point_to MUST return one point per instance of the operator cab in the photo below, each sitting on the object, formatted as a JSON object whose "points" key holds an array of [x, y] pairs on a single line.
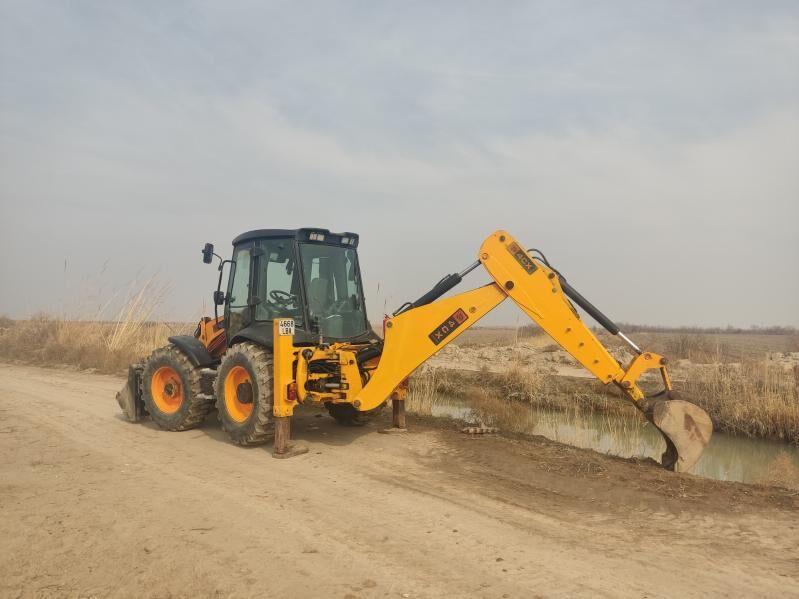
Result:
{"points": [[309, 275]]}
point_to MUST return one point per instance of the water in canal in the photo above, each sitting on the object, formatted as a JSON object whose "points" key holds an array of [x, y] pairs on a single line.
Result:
{"points": [[726, 458]]}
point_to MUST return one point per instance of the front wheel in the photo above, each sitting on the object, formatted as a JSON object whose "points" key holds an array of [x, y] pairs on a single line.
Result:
{"points": [[174, 392], [244, 394]]}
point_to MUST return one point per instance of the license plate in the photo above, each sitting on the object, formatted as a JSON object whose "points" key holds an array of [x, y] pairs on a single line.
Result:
{"points": [[285, 327]]}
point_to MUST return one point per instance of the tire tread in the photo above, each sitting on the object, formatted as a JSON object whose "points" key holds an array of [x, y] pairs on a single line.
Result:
{"points": [[260, 428], [197, 390]]}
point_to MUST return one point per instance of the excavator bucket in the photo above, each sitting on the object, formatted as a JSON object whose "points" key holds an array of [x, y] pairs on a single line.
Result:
{"points": [[685, 426]]}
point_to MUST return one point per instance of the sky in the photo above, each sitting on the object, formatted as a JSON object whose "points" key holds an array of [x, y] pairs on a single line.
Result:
{"points": [[650, 149]]}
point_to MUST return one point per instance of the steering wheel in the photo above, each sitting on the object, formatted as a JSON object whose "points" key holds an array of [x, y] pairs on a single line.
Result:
{"points": [[282, 297], [342, 305]]}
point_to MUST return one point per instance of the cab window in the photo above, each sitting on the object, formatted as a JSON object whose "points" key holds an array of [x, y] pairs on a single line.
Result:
{"points": [[335, 298], [279, 292], [238, 315]]}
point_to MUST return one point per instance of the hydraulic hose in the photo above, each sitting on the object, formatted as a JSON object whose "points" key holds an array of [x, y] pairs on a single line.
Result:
{"points": [[369, 352]]}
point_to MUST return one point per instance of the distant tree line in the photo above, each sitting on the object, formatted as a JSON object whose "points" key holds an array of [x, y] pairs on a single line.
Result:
{"points": [[728, 330], [627, 327]]}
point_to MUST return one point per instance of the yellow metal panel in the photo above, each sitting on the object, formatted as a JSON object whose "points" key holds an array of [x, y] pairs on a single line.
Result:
{"points": [[283, 355], [639, 365], [415, 335], [302, 377], [536, 290], [344, 354], [350, 373]]}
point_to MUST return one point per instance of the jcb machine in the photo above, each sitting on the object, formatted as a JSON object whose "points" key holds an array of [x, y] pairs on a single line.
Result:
{"points": [[294, 331]]}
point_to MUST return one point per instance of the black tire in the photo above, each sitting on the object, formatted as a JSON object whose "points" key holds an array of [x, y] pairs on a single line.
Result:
{"points": [[346, 414], [259, 426], [195, 392]]}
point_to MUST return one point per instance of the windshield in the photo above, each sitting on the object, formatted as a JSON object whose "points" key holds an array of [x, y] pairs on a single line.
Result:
{"points": [[278, 282], [333, 289]]}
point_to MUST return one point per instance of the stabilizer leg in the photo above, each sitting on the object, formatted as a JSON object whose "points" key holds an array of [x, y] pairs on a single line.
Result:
{"points": [[283, 447], [397, 411]]}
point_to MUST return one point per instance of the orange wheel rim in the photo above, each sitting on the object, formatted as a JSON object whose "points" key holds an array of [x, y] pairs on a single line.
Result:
{"points": [[167, 390], [238, 386]]}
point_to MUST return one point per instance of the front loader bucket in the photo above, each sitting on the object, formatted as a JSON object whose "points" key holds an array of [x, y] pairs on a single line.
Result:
{"points": [[129, 398], [685, 426]]}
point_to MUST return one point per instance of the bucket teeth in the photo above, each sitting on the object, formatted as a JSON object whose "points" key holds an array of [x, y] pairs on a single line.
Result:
{"points": [[685, 427]]}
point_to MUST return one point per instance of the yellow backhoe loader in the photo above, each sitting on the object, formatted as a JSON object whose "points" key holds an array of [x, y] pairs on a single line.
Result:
{"points": [[294, 330]]}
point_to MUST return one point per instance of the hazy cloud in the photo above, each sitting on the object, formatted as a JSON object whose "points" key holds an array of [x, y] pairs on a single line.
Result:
{"points": [[649, 149]]}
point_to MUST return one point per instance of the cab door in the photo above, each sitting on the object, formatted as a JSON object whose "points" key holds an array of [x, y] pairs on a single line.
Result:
{"points": [[238, 311]]}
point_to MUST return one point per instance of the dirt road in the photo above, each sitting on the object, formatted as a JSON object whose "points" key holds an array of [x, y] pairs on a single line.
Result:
{"points": [[93, 506]]}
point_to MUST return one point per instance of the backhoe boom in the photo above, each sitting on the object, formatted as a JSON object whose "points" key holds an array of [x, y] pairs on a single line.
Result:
{"points": [[422, 328]]}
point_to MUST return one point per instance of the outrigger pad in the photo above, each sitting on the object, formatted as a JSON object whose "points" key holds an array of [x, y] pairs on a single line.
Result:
{"points": [[290, 451], [129, 398], [686, 427]]}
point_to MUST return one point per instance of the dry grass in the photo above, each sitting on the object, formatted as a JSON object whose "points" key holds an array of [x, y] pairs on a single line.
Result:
{"points": [[423, 391], [102, 346], [102, 342], [490, 410], [753, 398], [530, 385], [695, 347]]}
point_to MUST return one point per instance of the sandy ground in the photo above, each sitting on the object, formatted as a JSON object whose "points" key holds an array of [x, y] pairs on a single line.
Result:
{"points": [[93, 506]]}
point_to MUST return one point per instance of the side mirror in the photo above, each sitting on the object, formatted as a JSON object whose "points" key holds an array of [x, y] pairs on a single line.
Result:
{"points": [[219, 297], [208, 253]]}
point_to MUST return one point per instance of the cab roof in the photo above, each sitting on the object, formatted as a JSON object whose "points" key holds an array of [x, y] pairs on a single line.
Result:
{"points": [[304, 234]]}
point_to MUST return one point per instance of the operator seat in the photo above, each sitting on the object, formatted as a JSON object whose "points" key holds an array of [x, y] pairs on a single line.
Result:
{"points": [[318, 298]]}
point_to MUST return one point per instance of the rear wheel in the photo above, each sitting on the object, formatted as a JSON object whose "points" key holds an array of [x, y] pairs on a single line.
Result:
{"points": [[174, 392], [244, 394], [347, 415]]}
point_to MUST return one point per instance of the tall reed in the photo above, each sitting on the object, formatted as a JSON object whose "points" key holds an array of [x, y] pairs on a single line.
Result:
{"points": [[752, 398], [97, 341]]}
